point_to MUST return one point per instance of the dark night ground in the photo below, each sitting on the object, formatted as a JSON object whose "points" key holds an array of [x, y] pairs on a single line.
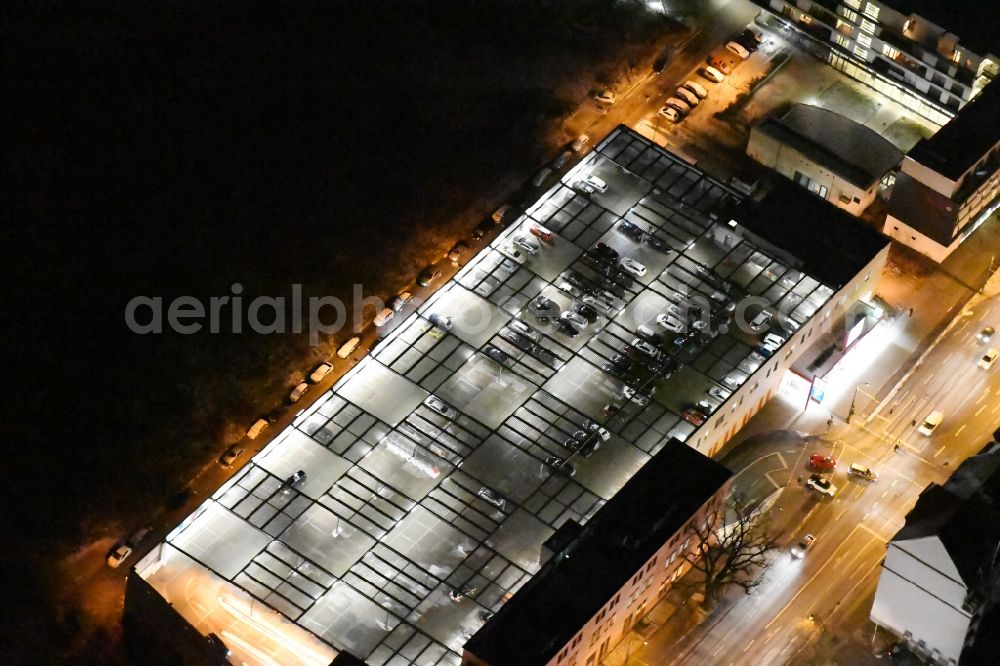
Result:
{"points": [[168, 152]]}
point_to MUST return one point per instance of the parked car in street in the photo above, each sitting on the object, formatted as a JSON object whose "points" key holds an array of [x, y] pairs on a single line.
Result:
{"points": [[119, 554], [696, 88], [457, 251], [670, 113], [229, 457], [579, 143], [297, 392], [688, 96], [822, 463], [384, 317], [712, 74], [321, 371], [988, 359], [258, 427], [682, 107], [428, 275], [822, 485]]}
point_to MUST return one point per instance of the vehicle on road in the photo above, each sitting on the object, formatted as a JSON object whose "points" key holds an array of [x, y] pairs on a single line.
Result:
{"points": [[456, 251], [229, 457], [931, 423], [985, 334], [399, 300], [560, 465], [542, 175], [321, 371], [139, 536], [119, 554], [384, 317], [682, 107], [297, 392], [822, 485], [822, 463], [492, 496], [632, 266], [438, 405], [348, 347], [605, 96], [440, 321], [579, 142], [526, 244], [590, 185], [696, 88], [428, 275], [670, 113], [688, 96], [660, 64], [862, 472], [712, 74], [540, 231], [988, 359], [500, 213], [803, 545], [694, 416], [481, 229], [258, 427]]}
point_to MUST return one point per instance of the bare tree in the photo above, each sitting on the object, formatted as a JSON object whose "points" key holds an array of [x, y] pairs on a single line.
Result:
{"points": [[731, 545]]}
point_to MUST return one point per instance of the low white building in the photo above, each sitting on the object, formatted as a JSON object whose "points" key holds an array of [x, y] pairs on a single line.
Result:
{"points": [[937, 569]]}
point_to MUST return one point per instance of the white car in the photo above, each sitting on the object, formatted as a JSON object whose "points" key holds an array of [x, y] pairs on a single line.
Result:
{"points": [[931, 423], [590, 185], [719, 393], [822, 485], [258, 427], [438, 406], [230, 455], [579, 142], [737, 49], [321, 371], [298, 392], [679, 104], [575, 318], [630, 393], [646, 348], [513, 253], [670, 322], [803, 545], [670, 113], [986, 362], [526, 244], [734, 379], [524, 329], [632, 266], [400, 300], [605, 96], [688, 96], [712, 74], [119, 555], [696, 88], [569, 289], [384, 317]]}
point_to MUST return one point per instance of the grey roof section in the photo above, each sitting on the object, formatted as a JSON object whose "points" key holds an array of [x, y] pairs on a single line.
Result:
{"points": [[966, 138], [964, 514], [855, 152], [926, 210], [974, 23], [832, 244], [546, 613]]}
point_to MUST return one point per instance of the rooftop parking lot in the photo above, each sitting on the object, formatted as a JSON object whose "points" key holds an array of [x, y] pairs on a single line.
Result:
{"points": [[521, 395]]}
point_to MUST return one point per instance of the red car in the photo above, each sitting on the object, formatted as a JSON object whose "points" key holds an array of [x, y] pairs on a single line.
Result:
{"points": [[541, 232], [821, 462], [694, 416]]}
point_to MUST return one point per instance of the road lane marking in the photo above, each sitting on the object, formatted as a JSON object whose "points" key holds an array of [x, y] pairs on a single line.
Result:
{"points": [[749, 645], [938, 452], [994, 410], [885, 493], [981, 408], [873, 533], [947, 358], [963, 426]]}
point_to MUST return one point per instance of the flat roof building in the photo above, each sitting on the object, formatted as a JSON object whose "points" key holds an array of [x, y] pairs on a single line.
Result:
{"points": [[828, 154], [930, 56], [587, 597], [949, 184], [442, 470]]}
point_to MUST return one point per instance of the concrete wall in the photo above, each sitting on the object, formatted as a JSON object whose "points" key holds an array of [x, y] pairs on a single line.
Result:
{"points": [[929, 177], [787, 160], [907, 235]]}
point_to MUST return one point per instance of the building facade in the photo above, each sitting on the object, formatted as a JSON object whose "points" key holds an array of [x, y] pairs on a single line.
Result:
{"points": [[949, 184], [913, 51], [832, 156], [585, 601]]}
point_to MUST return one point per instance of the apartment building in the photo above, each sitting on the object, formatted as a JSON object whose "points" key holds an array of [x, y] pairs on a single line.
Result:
{"points": [[930, 56], [948, 184], [595, 588]]}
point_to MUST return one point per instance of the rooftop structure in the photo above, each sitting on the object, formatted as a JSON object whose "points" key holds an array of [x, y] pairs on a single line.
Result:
{"points": [[619, 541], [941, 569], [830, 155], [427, 467], [948, 184]]}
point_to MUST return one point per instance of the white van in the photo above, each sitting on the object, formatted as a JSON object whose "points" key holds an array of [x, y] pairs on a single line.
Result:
{"points": [[738, 49], [348, 347], [930, 423]]}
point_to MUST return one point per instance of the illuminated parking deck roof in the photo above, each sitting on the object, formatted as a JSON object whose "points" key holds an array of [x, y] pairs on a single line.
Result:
{"points": [[401, 504]]}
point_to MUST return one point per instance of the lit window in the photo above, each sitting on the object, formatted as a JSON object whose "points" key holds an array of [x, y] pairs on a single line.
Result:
{"points": [[871, 10], [956, 56], [850, 16], [853, 3], [842, 41], [908, 25], [861, 52], [864, 40], [889, 51], [868, 26]]}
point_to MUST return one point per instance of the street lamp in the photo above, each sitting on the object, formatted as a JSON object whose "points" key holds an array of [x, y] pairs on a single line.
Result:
{"points": [[857, 388]]}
